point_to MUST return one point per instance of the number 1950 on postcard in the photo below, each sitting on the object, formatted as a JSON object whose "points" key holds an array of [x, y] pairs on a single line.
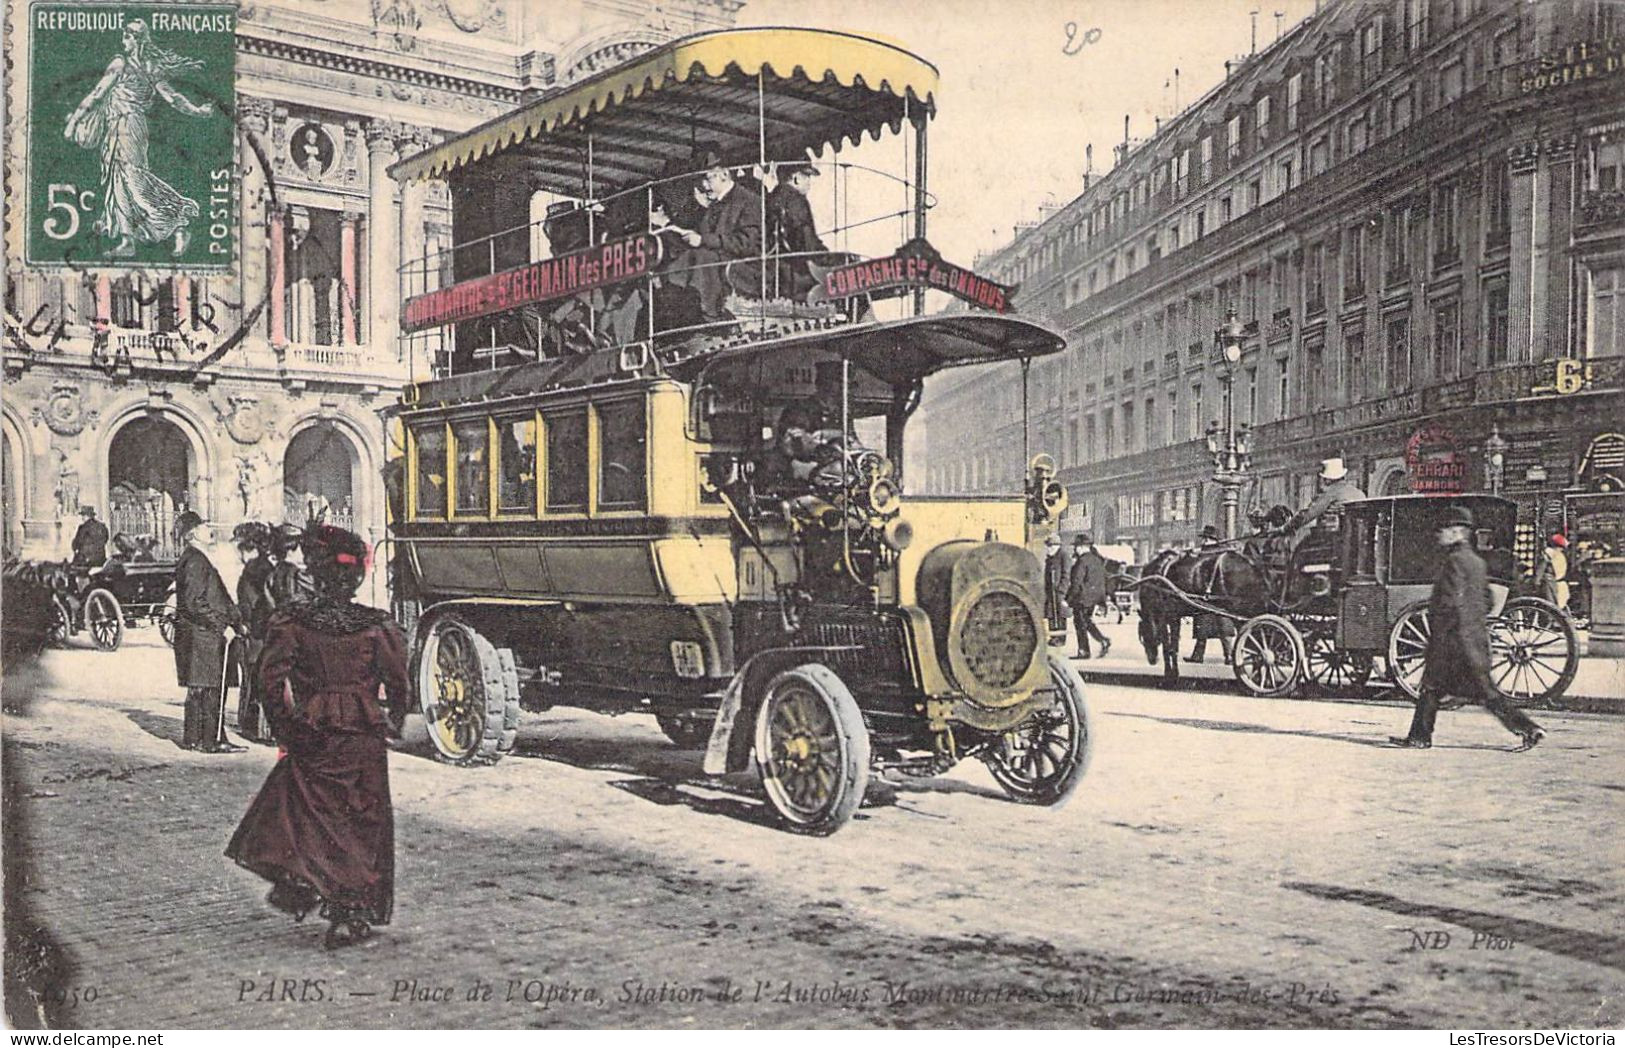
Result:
{"points": [[131, 142]]}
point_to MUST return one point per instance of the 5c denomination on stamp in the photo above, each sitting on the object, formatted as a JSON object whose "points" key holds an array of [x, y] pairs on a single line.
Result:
{"points": [[131, 143]]}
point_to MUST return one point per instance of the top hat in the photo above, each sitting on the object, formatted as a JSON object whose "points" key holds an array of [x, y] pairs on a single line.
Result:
{"points": [[1210, 532], [187, 523], [1456, 516], [1333, 469], [87, 511], [1083, 539], [802, 167]]}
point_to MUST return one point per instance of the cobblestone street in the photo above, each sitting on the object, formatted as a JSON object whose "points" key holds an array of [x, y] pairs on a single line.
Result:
{"points": [[1228, 861]]}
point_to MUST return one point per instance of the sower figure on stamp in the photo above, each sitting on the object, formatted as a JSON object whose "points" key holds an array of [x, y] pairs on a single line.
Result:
{"points": [[1458, 653], [1086, 589], [203, 613], [137, 205], [322, 830]]}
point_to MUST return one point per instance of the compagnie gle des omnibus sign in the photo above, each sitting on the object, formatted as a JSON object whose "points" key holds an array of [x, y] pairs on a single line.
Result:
{"points": [[915, 265], [551, 278]]}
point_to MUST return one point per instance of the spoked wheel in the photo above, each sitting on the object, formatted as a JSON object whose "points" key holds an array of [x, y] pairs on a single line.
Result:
{"points": [[1334, 668], [61, 622], [105, 619], [166, 625], [1269, 655], [464, 693], [1533, 650], [1408, 648], [812, 750], [1043, 760]]}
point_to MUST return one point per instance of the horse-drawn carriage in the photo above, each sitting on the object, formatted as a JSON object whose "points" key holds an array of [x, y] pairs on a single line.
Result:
{"points": [[1328, 613], [103, 601]]}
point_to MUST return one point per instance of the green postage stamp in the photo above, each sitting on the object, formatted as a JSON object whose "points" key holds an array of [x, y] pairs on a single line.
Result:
{"points": [[131, 135]]}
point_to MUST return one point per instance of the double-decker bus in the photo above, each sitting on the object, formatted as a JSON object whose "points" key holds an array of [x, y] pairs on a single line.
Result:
{"points": [[655, 460]]}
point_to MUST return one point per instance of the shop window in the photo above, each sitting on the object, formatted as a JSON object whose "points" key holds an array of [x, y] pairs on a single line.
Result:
{"points": [[516, 465], [430, 442], [622, 443], [471, 441], [566, 460]]}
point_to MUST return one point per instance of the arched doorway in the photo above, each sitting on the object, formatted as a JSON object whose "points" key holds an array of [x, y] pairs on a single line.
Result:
{"points": [[317, 477], [1395, 483], [11, 494], [150, 466]]}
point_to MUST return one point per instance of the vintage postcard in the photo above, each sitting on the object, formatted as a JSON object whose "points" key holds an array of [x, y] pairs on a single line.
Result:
{"points": [[736, 514]]}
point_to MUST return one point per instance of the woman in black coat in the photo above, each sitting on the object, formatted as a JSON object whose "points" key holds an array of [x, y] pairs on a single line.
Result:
{"points": [[253, 541], [322, 829]]}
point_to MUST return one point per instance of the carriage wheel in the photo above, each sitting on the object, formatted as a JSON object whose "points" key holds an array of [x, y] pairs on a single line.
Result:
{"points": [[1533, 650], [812, 750], [1042, 760], [465, 695], [1334, 668], [105, 619], [166, 625], [1408, 648], [1269, 655]]}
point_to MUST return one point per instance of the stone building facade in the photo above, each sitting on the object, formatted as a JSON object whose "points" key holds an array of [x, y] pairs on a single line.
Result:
{"points": [[1415, 208], [253, 394]]}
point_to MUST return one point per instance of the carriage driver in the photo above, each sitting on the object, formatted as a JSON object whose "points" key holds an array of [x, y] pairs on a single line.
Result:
{"points": [[1323, 517]]}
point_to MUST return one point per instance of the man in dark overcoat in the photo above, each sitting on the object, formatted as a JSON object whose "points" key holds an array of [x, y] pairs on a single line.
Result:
{"points": [[794, 232], [1056, 579], [1457, 662], [90, 540], [1086, 589], [729, 230], [204, 611]]}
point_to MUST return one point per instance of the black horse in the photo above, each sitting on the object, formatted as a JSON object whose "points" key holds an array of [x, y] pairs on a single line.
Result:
{"points": [[1221, 578]]}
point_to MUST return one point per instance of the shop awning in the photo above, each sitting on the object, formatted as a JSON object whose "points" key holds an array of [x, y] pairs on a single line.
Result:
{"points": [[816, 88]]}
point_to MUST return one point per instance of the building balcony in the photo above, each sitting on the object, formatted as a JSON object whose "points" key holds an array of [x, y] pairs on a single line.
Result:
{"points": [[1600, 208]]}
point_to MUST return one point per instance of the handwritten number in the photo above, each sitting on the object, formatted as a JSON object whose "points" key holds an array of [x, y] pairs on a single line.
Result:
{"points": [[1074, 42]]}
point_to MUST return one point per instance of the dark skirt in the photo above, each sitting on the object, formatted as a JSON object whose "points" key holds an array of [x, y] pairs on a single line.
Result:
{"points": [[323, 826]]}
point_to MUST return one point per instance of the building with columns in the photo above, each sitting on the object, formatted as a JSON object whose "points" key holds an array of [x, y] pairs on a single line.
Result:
{"points": [[1417, 210], [252, 394]]}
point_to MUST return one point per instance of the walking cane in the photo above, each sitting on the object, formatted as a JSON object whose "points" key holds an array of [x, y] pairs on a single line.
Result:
{"points": [[232, 646]]}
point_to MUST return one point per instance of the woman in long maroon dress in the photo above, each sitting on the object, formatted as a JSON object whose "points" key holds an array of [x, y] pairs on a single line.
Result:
{"points": [[322, 830]]}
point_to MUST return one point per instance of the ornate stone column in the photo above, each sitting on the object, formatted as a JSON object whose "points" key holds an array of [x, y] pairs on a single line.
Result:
{"points": [[255, 114], [413, 194], [1526, 283], [382, 229], [347, 277], [279, 278]]}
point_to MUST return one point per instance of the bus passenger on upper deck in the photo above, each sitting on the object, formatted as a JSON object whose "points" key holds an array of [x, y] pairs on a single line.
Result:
{"points": [[730, 229], [790, 218]]}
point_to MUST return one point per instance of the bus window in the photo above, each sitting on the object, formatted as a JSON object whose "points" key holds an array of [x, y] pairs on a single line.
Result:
{"points": [[621, 442], [430, 441], [471, 441], [566, 460], [516, 465]]}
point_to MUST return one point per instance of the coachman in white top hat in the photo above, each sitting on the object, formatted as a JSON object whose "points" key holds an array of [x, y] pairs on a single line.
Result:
{"points": [[1324, 515]]}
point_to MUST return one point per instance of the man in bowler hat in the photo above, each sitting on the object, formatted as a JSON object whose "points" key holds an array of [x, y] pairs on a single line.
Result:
{"points": [[1457, 662], [203, 613]]}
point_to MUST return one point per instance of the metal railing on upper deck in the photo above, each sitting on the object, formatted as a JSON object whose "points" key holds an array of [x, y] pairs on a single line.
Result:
{"points": [[770, 288]]}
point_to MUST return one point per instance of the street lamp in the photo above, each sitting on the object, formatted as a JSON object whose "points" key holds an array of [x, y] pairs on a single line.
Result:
{"points": [[1495, 455], [1232, 456]]}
